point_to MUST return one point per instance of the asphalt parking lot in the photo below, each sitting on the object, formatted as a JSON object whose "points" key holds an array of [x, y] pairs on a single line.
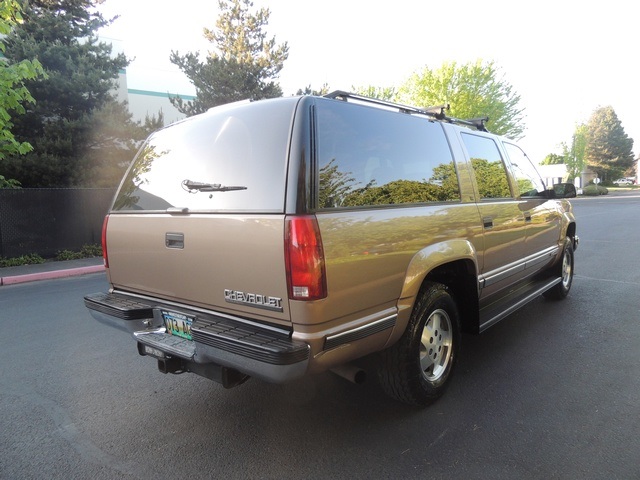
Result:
{"points": [[551, 392]]}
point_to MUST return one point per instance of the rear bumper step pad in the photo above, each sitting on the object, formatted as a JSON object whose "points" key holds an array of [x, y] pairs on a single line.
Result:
{"points": [[249, 341], [119, 306]]}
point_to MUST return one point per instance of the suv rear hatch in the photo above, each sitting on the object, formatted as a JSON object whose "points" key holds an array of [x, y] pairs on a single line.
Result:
{"points": [[200, 213]]}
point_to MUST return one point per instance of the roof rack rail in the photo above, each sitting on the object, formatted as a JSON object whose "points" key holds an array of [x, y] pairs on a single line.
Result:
{"points": [[437, 112]]}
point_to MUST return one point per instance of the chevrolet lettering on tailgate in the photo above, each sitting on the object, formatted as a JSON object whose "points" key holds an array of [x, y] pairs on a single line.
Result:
{"points": [[253, 299]]}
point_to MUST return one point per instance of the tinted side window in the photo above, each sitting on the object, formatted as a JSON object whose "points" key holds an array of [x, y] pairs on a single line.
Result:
{"points": [[529, 182], [369, 156], [490, 172]]}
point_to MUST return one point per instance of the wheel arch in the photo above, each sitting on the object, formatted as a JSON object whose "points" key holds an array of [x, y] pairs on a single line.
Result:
{"points": [[461, 279], [453, 264]]}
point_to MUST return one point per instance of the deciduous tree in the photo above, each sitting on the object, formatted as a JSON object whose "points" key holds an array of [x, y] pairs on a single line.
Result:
{"points": [[575, 153], [471, 90], [383, 93], [13, 91], [553, 159]]}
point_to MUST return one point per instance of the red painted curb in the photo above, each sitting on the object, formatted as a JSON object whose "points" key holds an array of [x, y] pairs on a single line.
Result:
{"points": [[32, 277]]}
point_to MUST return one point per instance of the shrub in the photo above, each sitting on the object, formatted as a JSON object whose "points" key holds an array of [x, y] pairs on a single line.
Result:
{"points": [[22, 260], [86, 252], [67, 255], [93, 250], [594, 190]]}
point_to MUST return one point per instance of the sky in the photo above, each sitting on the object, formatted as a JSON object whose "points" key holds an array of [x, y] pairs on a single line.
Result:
{"points": [[565, 58]]}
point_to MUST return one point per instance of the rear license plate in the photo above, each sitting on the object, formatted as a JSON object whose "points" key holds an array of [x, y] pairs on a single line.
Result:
{"points": [[177, 324]]}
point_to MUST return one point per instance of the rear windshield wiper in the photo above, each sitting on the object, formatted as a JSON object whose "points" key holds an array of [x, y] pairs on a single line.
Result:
{"points": [[193, 187]]}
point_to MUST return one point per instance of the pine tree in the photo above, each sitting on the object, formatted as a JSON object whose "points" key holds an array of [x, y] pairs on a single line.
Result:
{"points": [[608, 149], [82, 74], [244, 64]]}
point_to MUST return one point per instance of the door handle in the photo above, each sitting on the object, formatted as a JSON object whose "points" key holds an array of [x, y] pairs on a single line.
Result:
{"points": [[174, 240]]}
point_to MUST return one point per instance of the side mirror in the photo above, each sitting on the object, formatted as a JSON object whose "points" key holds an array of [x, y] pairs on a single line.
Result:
{"points": [[565, 190]]}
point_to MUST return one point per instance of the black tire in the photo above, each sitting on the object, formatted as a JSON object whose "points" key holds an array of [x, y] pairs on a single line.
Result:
{"points": [[565, 270], [417, 368]]}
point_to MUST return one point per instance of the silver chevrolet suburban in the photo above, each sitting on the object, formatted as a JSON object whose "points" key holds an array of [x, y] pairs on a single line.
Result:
{"points": [[293, 236]]}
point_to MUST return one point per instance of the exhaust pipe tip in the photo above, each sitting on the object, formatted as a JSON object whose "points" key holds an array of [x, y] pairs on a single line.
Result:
{"points": [[352, 373]]}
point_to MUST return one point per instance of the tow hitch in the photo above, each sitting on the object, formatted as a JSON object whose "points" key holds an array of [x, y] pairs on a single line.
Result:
{"points": [[227, 377]]}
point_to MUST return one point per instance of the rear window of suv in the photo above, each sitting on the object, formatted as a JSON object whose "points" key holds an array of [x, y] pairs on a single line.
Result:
{"points": [[371, 156], [230, 159]]}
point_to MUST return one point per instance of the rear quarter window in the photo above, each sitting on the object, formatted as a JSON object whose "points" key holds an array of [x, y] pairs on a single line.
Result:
{"points": [[369, 156], [241, 146]]}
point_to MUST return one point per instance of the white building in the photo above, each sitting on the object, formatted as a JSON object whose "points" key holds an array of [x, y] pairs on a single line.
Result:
{"points": [[552, 174], [143, 103]]}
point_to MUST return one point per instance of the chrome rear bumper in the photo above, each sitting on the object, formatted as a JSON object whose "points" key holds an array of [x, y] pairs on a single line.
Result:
{"points": [[262, 352]]}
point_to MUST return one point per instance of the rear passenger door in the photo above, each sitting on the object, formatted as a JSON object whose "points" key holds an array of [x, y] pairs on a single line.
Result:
{"points": [[387, 189], [502, 218]]}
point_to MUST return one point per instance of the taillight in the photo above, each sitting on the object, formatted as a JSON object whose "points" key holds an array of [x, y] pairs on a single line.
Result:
{"points": [[104, 241], [304, 259]]}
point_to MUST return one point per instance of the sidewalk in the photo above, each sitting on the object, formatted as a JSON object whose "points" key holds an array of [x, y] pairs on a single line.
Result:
{"points": [[49, 270]]}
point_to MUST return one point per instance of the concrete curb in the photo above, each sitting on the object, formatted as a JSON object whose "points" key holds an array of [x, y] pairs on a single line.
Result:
{"points": [[32, 277]]}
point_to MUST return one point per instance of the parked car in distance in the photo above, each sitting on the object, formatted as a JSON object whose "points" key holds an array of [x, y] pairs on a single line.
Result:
{"points": [[625, 181], [293, 236]]}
